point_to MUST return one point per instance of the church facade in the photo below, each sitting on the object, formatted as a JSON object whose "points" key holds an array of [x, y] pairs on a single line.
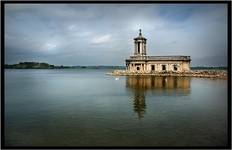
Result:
{"points": [[141, 62]]}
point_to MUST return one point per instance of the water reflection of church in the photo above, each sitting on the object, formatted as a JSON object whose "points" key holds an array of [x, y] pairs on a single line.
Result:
{"points": [[168, 86]]}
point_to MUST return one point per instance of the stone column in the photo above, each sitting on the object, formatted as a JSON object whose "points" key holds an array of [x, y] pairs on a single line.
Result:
{"points": [[142, 48], [136, 48]]}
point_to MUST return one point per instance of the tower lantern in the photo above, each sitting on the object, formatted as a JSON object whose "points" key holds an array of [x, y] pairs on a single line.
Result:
{"points": [[140, 45]]}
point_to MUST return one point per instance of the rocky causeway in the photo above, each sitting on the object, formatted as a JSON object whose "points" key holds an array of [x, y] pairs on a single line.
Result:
{"points": [[222, 74]]}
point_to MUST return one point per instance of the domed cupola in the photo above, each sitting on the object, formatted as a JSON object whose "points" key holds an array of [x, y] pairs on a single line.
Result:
{"points": [[140, 45]]}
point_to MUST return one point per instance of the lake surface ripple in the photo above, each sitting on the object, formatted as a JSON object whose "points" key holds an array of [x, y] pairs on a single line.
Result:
{"points": [[86, 107]]}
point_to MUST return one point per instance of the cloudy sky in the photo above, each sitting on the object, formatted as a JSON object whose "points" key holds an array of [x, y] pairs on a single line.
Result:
{"points": [[102, 34]]}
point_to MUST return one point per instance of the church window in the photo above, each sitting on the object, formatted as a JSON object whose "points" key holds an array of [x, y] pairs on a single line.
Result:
{"points": [[175, 68], [139, 47], [152, 67], [163, 67]]}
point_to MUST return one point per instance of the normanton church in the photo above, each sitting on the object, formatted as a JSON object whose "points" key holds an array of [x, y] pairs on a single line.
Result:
{"points": [[141, 62]]}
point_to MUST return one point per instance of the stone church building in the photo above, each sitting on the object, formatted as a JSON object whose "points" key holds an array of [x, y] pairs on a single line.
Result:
{"points": [[141, 62]]}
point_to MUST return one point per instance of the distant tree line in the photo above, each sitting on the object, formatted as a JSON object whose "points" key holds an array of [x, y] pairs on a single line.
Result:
{"points": [[37, 65], [33, 65]]}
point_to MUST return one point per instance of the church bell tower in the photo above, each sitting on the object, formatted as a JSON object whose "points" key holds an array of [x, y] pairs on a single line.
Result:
{"points": [[140, 45]]}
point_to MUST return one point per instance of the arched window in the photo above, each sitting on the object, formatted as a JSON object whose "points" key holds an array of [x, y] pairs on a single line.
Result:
{"points": [[175, 67], [138, 47], [152, 67], [163, 67]]}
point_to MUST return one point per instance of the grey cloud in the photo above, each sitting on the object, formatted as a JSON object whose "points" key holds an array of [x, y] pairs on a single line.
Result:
{"points": [[103, 34]]}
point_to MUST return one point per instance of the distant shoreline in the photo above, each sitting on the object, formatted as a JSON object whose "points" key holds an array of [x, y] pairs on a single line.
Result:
{"points": [[38, 65]]}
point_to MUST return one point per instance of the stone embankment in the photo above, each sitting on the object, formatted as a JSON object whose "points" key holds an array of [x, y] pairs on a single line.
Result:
{"points": [[222, 74]]}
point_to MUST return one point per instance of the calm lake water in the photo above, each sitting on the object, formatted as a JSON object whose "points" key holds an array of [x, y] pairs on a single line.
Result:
{"points": [[86, 107]]}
